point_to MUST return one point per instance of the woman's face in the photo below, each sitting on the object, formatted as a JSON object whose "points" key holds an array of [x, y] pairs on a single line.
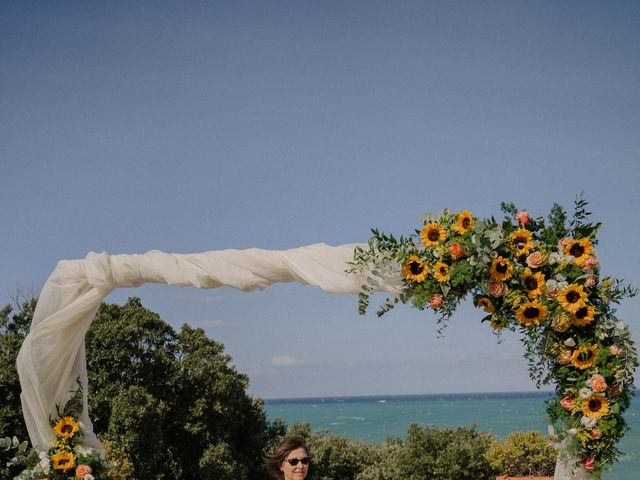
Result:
{"points": [[298, 471]]}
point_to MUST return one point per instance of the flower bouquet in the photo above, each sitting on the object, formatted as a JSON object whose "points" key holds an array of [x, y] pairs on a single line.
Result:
{"points": [[540, 277]]}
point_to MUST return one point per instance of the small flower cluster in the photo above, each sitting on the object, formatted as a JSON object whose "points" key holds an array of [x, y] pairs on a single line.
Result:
{"points": [[66, 458], [541, 278]]}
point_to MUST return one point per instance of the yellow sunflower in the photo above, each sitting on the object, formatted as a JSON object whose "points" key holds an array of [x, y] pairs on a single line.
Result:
{"points": [[595, 406], [579, 249], [63, 461], [584, 357], [531, 313], [464, 222], [572, 298], [66, 428], [501, 269], [584, 316], [496, 323], [441, 272], [520, 241], [415, 269], [485, 303], [533, 283], [432, 234]]}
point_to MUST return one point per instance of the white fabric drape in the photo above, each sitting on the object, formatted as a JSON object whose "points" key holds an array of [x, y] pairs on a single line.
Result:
{"points": [[52, 356]]}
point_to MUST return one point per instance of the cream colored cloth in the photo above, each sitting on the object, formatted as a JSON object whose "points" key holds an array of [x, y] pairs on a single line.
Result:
{"points": [[52, 356]]}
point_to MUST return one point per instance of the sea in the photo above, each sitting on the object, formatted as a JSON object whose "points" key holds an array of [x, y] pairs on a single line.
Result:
{"points": [[375, 418]]}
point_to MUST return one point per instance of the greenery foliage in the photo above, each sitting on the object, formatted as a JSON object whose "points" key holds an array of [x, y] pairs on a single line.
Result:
{"points": [[523, 454]]}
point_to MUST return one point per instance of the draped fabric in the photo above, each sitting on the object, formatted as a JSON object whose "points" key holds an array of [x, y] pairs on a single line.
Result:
{"points": [[52, 357]]}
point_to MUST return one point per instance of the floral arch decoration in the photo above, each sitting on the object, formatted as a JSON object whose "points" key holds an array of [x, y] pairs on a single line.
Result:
{"points": [[539, 277]]}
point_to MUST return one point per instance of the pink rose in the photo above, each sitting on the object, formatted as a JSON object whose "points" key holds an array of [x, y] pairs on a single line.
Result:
{"points": [[535, 260], [457, 251], [564, 241], [591, 263], [598, 383], [437, 301], [523, 217], [564, 358], [567, 403], [616, 350], [588, 463], [590, 281], [496, 288], [82, 470]]}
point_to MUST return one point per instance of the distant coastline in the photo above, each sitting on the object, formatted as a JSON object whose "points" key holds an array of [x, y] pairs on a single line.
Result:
{"points": [[407, 397]]}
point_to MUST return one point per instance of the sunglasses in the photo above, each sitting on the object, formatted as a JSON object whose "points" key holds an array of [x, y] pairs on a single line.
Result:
{"points": [[294, 461]]}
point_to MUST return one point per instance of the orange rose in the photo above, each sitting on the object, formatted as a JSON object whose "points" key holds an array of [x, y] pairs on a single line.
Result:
{"points": [[596, 434], [496, 288], [598, 383], [590, 281], [616, 350], [457, 251], [82, 470], [437, 301], [535, 260], [564, 358]]}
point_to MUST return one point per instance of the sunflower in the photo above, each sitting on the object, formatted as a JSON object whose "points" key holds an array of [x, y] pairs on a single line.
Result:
{"points": [[584, 357], [415, 269], [432, 234], [531, 313], [501, 269], [579, 249], [583, 316], [595, 406], [533, 283], [520, 241], [572, 298], [63, 461], [464, 222], [496, 323], [485, 303], [441, 272], [65, 428]]}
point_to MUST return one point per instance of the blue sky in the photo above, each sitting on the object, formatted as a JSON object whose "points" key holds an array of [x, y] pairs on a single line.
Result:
{"points": [[195, 126]]}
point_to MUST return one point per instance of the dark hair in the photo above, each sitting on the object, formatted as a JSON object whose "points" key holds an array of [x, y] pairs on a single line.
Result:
{"points": [[273, 460]]}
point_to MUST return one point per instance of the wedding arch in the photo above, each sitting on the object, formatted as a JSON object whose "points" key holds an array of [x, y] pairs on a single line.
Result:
{"points": [[540, 277]]}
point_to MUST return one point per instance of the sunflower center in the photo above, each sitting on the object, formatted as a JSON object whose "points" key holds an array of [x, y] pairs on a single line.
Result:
{"points": [[466, 222], [443, 270], [585, 356], [581, 313], [433, 235], [576, 250], [531, 283], [531, 312], [501, 267], [573, 296], [416, 268], [595, 405], [66, 429]]}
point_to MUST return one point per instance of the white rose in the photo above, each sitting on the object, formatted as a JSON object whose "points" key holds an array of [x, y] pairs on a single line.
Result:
{"points": [[570, 342], [585, 393], [588, 422]]}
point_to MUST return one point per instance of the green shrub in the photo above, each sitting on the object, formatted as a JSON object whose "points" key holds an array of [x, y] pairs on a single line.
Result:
{"points": [[523, 453]]}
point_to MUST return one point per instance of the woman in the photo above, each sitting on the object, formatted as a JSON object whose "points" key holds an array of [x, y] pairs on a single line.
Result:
{"points": [[290, 461]]}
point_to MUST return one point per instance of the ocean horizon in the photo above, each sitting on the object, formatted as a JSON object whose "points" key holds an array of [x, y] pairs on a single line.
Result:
{"points": [[377, 418]]}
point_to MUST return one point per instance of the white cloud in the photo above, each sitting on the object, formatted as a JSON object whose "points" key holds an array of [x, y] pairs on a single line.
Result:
{"points": [[285, 361]]}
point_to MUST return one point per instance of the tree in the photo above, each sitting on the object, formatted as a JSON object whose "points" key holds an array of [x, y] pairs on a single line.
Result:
{"points": [[171, 402]]}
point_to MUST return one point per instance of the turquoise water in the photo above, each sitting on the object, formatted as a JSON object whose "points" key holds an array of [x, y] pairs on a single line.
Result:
{"points": [[374, 419]]}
